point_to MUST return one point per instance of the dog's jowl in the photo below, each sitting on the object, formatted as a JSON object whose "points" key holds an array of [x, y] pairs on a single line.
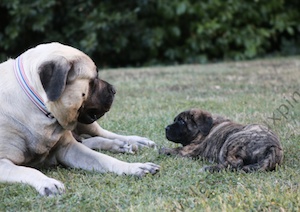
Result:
{"points": [[231, 145], [48, 94]]}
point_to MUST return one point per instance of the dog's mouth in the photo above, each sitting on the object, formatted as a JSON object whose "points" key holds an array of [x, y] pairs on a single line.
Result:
{"points": [[88, 116], [92, 112], [171, 134], [175, 134], [97, 104]]}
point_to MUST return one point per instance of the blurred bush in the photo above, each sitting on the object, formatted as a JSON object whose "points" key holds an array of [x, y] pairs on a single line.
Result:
{"points": [[146, 32]]}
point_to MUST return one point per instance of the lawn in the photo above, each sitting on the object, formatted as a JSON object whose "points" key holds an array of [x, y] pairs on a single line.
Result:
{"points": [[147, 99]]}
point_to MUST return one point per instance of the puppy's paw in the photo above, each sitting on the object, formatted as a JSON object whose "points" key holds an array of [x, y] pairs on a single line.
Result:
{"points": [[140, 141], [141, 169], [49, 187], [169, 151], [164, 151], [204, 169], [211, 169]]}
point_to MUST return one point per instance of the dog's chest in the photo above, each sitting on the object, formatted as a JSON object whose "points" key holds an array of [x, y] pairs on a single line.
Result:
{"points": [[40, 144], [43, 140], [39, 138]]}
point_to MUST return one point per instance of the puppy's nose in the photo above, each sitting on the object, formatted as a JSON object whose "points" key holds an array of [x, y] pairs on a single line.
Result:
{"points": [[167, 128], [112, 90]]}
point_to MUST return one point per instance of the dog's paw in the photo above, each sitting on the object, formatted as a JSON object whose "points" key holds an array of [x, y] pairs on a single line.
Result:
{"points": [[124, 147], [140, 141], [164, 151], [49, 187], [204, 169], [112, 145], [141, 169], [211, 169]]}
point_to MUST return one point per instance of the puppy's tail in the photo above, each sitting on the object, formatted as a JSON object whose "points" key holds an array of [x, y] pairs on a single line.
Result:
{"points": [[273, 158]]}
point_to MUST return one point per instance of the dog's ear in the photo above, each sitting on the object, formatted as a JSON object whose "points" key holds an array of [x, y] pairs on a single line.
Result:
{"points": [[205, 123], [53, 75]]}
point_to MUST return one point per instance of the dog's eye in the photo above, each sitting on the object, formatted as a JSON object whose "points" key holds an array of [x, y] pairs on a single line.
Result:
{"points": [[83, 94], [181, 122]]}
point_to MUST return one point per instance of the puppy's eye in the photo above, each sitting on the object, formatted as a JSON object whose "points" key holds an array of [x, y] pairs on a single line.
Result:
{"points": [[83, 94], [181, 122]]}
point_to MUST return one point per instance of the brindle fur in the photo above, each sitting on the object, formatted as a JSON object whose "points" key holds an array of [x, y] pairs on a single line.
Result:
{"points": [[231, 145]]}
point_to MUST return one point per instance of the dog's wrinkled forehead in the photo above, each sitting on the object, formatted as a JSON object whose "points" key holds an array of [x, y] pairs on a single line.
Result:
{"points": [[192, 115], [81, 64], [189, 114], [196, 113], [84, 67], [181, 116]]}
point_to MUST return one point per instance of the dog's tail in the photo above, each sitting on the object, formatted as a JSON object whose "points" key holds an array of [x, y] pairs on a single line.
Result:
{"points": [[273, 158]]}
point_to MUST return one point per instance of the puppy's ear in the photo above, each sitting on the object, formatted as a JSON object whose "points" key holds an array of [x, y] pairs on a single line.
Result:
{"points": [[53, 75], [205, 123]]}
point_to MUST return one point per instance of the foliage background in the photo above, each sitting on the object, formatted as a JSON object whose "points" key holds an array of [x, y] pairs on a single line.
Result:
{"points": [[146, 32]]}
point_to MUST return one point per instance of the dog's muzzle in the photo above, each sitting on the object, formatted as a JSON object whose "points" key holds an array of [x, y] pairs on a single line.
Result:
{"points": [[168, 133], [98, 103]]}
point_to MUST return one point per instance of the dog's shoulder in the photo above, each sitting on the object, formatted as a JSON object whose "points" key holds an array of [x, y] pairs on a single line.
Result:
{"points": [[218, 119], [222, 128]]}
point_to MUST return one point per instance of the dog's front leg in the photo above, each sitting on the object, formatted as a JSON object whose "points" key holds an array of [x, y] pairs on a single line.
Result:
{"points": [[190, 151], [95, 129], [170, 151], [115, 146], [74, 154], [46, 186]]}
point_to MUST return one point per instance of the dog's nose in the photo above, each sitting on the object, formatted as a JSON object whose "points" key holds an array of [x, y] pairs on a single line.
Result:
{"points": [[167, 128], [112, 90]]}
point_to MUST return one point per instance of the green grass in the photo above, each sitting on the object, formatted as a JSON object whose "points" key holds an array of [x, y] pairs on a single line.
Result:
{"points": [[147, 100]]}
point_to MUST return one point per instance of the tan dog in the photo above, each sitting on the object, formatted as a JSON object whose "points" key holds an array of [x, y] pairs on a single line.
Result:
{"points": [[45, 93], [217, 139]]}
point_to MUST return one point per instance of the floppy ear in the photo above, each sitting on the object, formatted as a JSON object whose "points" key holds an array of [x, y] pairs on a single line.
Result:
{"points": [[53, 75], [205, 123]]}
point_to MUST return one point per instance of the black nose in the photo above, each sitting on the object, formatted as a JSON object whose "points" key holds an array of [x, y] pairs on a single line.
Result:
{"points": [[112, 90], [167, 128]]}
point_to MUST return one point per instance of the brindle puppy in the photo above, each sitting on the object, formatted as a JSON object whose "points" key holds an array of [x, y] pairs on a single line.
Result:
{"points": [[217, 139]]}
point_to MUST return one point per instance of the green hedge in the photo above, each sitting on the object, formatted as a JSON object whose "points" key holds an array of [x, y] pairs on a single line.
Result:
{"points": [[143, 32]]}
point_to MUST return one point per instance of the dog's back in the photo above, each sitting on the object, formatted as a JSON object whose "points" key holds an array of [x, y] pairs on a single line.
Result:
{"points": [[238, 147], [253, 148], [209, 147]]}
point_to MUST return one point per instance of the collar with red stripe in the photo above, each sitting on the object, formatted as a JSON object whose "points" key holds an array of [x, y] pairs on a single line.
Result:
{"points": [[28, 89]]}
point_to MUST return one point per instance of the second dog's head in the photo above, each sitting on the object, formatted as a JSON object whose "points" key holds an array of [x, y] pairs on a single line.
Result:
{"points": [[188, 125]]}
